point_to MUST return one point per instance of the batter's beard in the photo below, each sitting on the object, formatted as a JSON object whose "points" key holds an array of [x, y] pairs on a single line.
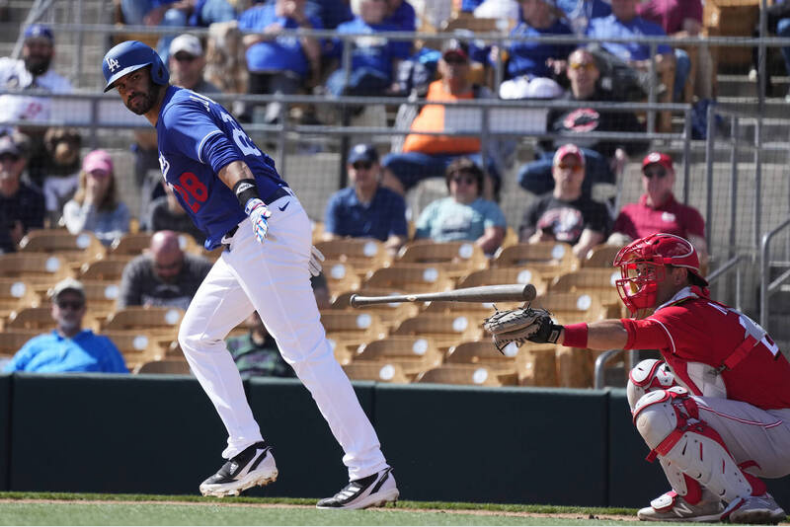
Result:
{"points": [[149, 100], [37, 65]]}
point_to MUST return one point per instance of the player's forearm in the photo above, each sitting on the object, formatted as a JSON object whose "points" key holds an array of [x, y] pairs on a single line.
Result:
{"points": [[603, 335], [234, 172]]}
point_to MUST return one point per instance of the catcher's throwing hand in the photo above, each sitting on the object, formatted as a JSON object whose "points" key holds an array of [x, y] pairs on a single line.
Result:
{"points": [[518, 325]]}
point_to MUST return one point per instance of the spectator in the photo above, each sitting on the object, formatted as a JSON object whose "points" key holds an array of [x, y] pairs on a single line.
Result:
{"points": [[680, 19], [528, 60], [374, 60], [580, 12], [505, 11], [464, 215], [624, 22], [423, 156], [21, 205], [95, 206], [366, 209], [567, 215], [32, 72], [187, 61], [69, 348], [167, 214], [658, 211], [777, 16], [62, 171], [468, 6], [400, 14], [604, 158], [331, 12], [175, 14], [164, 276], [278, 64], [256, 354]]}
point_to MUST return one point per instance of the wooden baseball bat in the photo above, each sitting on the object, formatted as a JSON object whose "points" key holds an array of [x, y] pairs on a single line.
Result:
{"points": [[483, 293]]}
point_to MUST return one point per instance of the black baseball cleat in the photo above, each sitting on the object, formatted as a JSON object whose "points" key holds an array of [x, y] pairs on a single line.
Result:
{"points": [[373, 491], [253, 466]]}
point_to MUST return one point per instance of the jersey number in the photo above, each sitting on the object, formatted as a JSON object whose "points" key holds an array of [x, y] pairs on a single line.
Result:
{"points": [[241, 139], [192, 190]]}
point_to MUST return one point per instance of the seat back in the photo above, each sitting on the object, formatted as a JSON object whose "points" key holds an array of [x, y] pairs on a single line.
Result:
{"points": [[394, 347], [34, 268], [16, 293], [417, 278], [466, 254], [82, 247], [507, 275], [38, 318], [366, 252], [108, 270], [468, 374], [137, 346], [376, 371], [130, 245], [446, 329], [161, 321], [601, 256], [168, 367], [482, 352], [595, 281], [549, 258], [571, 308]]}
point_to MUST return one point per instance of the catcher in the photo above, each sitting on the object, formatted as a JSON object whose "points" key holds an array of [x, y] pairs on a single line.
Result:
{"points": [[716, 414]]}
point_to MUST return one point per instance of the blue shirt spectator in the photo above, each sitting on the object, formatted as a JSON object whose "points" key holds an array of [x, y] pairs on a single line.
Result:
{"points": [[529, 57], [55, 353], [366, 209], [403, 16], [332, 12], [580, 12], [68, 348], [468, 6], [376, 54], [611, 26], [280, 53]]}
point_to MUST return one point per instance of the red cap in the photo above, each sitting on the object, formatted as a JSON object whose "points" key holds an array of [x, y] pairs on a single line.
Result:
{"points": [[568, 150], [658, 157]]}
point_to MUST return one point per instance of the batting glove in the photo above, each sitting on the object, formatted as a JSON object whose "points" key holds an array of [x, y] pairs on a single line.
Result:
{"points": [[315, 261], [259, 216]]}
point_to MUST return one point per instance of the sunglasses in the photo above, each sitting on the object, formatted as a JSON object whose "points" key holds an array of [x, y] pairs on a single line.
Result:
{"points": [[167, 267], [455, 60], [9, 157], [658, 172], [589, 66], [184, 58], [74, 305], [362, 165]]}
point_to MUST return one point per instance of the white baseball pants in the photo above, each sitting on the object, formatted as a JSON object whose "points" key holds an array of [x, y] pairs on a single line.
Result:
{"points": [[273, 279]]}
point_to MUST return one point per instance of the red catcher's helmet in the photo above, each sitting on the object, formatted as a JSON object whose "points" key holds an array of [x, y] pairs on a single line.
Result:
{"points": [[642, 265]]}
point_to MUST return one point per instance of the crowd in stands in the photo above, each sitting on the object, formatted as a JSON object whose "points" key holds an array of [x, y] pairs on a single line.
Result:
{"points": [[58, 186]]}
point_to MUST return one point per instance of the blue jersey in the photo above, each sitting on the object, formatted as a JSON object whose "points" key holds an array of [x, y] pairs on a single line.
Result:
{"points": [[196, 138]]}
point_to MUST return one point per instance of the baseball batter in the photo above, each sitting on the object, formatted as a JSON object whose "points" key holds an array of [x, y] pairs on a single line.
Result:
{"points": [[234, 194], [716, 414]]}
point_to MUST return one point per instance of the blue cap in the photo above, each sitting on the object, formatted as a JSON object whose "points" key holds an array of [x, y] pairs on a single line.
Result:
{"points": [[363, 152], [39, 31]]}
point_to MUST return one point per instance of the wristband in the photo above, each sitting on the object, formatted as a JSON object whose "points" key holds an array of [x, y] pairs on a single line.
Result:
{"points": [[576, 336], [245, 190]]}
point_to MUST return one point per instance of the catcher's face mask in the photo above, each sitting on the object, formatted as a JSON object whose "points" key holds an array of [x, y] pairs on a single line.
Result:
{"points": [[638, 286]]}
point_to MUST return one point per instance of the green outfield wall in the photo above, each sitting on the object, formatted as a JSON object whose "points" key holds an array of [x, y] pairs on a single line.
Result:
{"points": [[161, 435]]}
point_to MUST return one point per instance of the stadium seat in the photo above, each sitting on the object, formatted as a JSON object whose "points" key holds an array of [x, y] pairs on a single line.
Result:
{"points": [[571, 308], [376, 371], [167, 367], [457, 258], [137, 346], [365, 253], [108, 270], [156, 321], [548, 258], [346, 330], [414, 354], [130, 245], [38, 318], [507, 275], [597, 282], [411, 278], [485, 353], [34, 268], [342, 276], [391, 314], [536, 365], [82, 247], [445, 329], [468, 374], [601, 256], [15, 294]]}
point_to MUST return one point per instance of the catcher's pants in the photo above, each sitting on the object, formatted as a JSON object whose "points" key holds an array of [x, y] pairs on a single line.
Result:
{"points": [[273, 278]]}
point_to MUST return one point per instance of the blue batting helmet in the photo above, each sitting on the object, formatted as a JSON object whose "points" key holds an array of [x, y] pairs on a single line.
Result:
{"points": [[131, 56]]}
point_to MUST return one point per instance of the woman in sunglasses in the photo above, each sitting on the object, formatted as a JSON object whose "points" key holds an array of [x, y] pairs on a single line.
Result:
{"points": [[95, 207], [464, 214]]}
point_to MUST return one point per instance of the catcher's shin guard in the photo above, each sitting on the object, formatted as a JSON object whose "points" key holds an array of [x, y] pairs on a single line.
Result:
{"points": [[668, 420], [647, 376]]}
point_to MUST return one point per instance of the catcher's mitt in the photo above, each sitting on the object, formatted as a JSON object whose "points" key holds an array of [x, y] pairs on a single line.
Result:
{"points": [[518, 325]]}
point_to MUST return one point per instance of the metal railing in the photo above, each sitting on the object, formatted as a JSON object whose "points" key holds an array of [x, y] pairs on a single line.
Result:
{"points": [[766, 285]]}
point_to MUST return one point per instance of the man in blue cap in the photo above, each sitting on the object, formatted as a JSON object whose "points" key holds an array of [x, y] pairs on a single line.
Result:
{"points": [[366, 209]]}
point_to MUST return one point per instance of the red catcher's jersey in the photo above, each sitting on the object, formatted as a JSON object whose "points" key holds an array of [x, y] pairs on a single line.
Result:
{"points": [[692, 328]]}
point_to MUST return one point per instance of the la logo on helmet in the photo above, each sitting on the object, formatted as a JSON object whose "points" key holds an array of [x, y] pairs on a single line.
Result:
{"points": [[113, 64]]}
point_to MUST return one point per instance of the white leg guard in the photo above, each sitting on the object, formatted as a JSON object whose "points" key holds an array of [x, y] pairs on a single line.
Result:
{"points": [[669, 422], [647, 376]]}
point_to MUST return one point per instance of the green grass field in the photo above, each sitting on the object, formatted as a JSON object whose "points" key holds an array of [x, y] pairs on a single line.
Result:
{"points": [[17, 508]]}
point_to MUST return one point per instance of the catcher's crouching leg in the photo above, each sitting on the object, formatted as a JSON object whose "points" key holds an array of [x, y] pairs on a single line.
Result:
{"points": [[648, 376], [691, 453]]}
